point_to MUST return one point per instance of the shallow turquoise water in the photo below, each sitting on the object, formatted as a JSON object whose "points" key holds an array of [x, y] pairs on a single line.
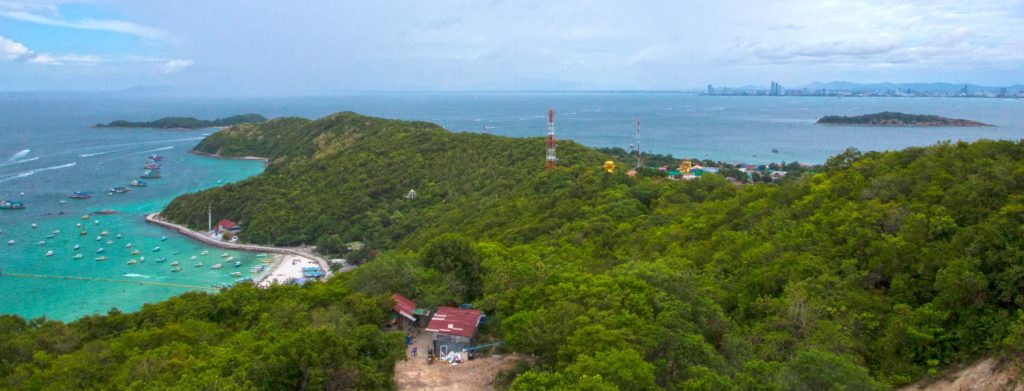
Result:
{"points": [[47, 150]]}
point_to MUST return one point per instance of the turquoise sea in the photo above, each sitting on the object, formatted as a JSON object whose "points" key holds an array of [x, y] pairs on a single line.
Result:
{"points": [[48, 150]]}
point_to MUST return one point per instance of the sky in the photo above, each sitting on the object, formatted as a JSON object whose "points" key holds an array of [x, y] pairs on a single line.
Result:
{"points": [[257, 47]]}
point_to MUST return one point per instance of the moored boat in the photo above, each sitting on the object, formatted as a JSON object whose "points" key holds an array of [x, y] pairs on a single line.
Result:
{"points": [[215, 266], [156, 158], [10, 204], [150, 174], [101, 258], [236, 274], [119, 189], [175, 263], [136, 252], [80, 195], [137, 183], [77, 256], [49, 253], [132, 262]]}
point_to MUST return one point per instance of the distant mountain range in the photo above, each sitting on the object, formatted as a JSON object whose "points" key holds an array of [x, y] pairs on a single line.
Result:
{"points": [[922, 87]]}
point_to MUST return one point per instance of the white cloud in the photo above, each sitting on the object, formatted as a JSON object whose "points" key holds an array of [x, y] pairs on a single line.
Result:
{"points": [[175, 65], [50, 15], [11, 50]]}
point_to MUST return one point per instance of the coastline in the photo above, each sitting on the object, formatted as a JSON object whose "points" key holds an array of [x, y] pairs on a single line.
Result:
{"points": [[910, 125], [281, 254]]}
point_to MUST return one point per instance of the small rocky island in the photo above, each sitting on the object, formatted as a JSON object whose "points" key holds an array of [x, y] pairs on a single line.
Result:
{"points": [[889, 118], [186, 122]]}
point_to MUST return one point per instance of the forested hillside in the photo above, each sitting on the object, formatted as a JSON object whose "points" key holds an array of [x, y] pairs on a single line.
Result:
{"points": [[883, 269]]}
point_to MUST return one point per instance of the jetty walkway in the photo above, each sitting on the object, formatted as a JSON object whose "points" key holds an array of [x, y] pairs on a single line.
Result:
{"points": [[100, 279], [155, 219]]}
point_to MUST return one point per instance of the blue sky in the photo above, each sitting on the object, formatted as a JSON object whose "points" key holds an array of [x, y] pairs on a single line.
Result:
{"points": [[234, 47]]}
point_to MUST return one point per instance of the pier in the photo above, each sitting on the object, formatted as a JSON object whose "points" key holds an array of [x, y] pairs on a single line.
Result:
{"points": [[111, 280]]}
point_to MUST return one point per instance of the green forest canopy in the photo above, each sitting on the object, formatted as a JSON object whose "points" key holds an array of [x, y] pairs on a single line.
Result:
{"points": [[186, 122], [884, 268]]}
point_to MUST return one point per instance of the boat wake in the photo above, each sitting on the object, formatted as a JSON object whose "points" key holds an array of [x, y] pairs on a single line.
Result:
{"points": [[31, 159], [19, 155], [159, 149], [17, 175], [99, 153], [134, 275]]}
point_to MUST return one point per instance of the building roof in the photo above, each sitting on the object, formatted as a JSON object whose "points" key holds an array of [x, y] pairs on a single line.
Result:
{"points": [[404, 306], [455, 321], [227, 224]]}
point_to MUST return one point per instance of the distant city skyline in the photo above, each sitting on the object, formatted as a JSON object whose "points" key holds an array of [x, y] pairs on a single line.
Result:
{"points": [[236, 47]]}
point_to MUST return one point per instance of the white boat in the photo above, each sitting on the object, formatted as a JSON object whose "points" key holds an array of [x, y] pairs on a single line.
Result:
{"points": [[225, 255], [200, 264], [175, 263], [129, 245], [49, 253], [101, 258], [76, 247], [156, 249], [34, 226], [163, 238], [136, 252], [77, 256], [50, 236], [97, 222], [132, 262], [231, 259], [104, 233], [99, 238], [11, 242], [41, 243], [216, 266], [175, 270], [238, 263], [56, 232], [119, 236], [109, 242], [161, 259], [142, 259], [236, 274], [100, 250], [193, 257], [204, 252], [262, 255]]}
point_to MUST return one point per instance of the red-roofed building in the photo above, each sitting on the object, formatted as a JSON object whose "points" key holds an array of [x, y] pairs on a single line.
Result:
{"points": [[405, 313], [228, 226], [453, 329]]}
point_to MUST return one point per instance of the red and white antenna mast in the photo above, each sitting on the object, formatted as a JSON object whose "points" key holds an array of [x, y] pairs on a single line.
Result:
{"points": [[638, 142], [552, 159]]}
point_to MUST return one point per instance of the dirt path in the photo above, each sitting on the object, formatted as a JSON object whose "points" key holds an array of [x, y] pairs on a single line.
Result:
{"points": [[416, 374], [986, 375]]}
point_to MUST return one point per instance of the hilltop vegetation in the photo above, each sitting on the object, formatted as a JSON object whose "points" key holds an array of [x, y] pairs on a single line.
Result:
{"points": [[879, 270], [889, 118], [186, 122]]}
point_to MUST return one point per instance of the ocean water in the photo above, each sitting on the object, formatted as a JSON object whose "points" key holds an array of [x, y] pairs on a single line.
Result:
{"points": [[48, 150]]}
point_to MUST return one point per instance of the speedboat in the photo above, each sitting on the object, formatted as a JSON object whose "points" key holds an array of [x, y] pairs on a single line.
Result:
{"points": [[236, 274], [238, 263], [85, 217], [176, 252], [225, 255], [204, 252], [137, 183], [76, 247], [34, 226], [163, 238], [142, 259], [41, 243], [11, 242], [156, 249], [193, 258], [262, 255], [109, 242], [84, 232], [175, 263], [129, 245], [150, 174], [156, 158], [215, 266], [200, 264], [10, 204], [80, 195], [136, 252], [104, 233], [119, 189], [99, 238], [231, 259], [56, 232], [49, 253], [99, 250], [49, 236], [62, 201], [175, 270], [161, 260], [132, 262], [151, 166], [97, 222], [101, 258], [77, 256], [119, 236]]}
